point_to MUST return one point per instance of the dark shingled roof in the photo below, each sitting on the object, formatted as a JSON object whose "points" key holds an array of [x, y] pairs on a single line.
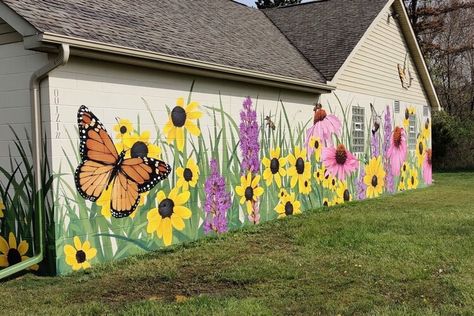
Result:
{"points": [[217, 31], [326, 32]]}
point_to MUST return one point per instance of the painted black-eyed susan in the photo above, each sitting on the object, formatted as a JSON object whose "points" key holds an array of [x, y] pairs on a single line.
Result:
{"points": [[420, 150], [315, 147], [342, 193], [282, 193], [180, 119], [249, 191], [2, 209], [170, 214], [404, 168], [274, 167], [12, 253], [306, 187], [139, 146], [409, 111], [326, 202], [288, 206], [300, 168], [80, 255], [188, 176], [412, 179], [374, 177], [123, 129]]}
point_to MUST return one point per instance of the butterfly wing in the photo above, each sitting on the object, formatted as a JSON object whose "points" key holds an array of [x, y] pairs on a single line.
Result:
{"points": [[136, 175], [98, 154]]}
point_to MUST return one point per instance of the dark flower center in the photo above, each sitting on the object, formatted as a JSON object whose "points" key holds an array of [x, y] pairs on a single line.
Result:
{"points": [[326, 175], [80, 256], [139, 150], [282, 194], [188, 174], [318, 174], [404, 167], [300, 165], [420, 148], [306, 183], [325, 203], [427, 123], [123, 129], [319, 115], [178, 116], [412, 180], [13, 256], [333, 182], [346, 195], [397, 136], [375, 181], [407, 114], [165, 208], [249, 194], [429, 153], [274, 165], [288, 208], [316, 144], [341, 154]]}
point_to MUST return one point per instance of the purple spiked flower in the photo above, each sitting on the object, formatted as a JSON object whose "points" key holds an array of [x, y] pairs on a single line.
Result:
{"points": [[375, 144], [218, 201], [386, 146], [361, 186], [249, 138]]}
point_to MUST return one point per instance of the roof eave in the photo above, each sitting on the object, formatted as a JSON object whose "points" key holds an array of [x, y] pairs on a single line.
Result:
{"points": [[116, 53]]}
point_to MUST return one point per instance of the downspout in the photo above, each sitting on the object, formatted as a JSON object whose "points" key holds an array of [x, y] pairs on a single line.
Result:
{"points": [[36, 128]]}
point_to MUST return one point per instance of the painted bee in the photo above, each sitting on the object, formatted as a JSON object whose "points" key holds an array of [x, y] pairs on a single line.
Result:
{"points": [[270, 124]]}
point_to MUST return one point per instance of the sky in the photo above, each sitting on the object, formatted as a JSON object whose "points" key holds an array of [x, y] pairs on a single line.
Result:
{"points": [[252, 2]]}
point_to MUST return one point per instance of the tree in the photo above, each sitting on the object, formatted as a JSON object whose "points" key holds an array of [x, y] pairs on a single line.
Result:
{"points": [[265, 4], [445, 31]]}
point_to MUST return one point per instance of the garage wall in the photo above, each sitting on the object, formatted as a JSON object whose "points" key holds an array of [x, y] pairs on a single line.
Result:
{"points": [[225, 122]]}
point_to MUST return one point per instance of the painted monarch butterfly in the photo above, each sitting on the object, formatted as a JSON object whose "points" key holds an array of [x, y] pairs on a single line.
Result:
{"points": [[102, 166]]}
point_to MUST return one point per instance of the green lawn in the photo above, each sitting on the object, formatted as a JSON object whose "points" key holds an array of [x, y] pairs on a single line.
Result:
{"points": [[412, 253]]}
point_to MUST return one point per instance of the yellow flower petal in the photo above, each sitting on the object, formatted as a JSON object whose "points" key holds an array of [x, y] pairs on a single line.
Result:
{"points": [[177, 222], [12, 240], [180, 139], [160, 196], [167, 231], [258, 192], [91, 253], [182, 198], [86, 265], [182, 212], [192, 128], [77, 243], [193, 105], [3, 246], [69, 251], [23, 247], [180, 102], [3, 261], [255, 181], [193, 115]]}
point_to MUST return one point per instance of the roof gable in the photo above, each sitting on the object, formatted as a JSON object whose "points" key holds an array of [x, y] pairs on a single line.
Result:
{"points": [[230, 34], [326, 32]]}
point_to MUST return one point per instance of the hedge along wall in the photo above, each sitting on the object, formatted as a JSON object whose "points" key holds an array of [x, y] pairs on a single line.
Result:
{"points": [[239, 155]]}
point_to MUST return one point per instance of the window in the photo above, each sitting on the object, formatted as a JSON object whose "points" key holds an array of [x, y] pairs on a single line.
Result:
{"points": [[412, 132], [426, 111], [358, 129], [396, 106]]}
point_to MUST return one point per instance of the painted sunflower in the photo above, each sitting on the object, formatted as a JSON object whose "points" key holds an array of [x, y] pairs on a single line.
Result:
{"points": [[249, 191], [300, 168], [426, 129], [139, 145], [315, 147], [123, 129], [409, 111], [11, 253], [2, 209], [374, 177], [412, 179], [342, 193], [320, 174], [420, 150], [274, 167], [288, 206], [401, 184], [181, 119], [79, 255], [169, 214], [187, 176]]}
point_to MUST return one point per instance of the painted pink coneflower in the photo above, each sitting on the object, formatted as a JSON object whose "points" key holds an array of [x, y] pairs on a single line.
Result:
{"points": [[427, 167], [398, 150], [324, 126], [339, 161]]}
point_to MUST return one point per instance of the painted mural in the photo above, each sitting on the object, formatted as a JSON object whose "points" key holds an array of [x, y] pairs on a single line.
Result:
{"points": [[238, 172]]}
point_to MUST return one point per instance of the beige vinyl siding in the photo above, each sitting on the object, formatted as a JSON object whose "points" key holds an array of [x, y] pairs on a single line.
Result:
{"points": [[372, 69], [8, 34]]}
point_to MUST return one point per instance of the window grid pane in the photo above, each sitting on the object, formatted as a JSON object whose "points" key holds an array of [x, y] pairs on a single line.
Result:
{"points": [[412, 132], [358, 129]]}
